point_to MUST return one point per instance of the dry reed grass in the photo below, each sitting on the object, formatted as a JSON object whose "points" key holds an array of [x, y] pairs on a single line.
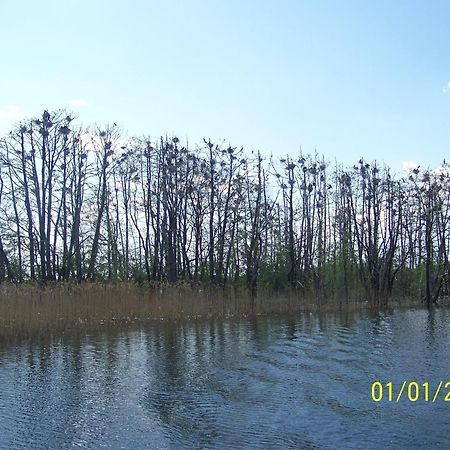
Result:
{"points": [[31, 309]]}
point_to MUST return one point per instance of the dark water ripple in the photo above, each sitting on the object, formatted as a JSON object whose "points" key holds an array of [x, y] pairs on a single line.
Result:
{"points": [[302, 382]]}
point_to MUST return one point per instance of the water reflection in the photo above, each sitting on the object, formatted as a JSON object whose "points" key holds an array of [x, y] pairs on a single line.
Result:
{"points": [[296, 382]]}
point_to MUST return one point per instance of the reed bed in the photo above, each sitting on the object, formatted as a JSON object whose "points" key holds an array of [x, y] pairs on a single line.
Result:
{"points": [[30, 309]]}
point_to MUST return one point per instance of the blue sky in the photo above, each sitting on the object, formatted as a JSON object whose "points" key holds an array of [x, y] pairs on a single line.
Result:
{"points": [[348, 78]]}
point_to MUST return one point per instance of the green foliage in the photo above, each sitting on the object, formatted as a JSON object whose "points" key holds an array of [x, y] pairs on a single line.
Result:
{"points": [[410, 282], [342, 280], [274, 275]]}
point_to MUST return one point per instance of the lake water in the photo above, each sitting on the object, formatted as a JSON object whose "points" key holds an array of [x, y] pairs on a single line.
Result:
{"points": [[298, 382]]}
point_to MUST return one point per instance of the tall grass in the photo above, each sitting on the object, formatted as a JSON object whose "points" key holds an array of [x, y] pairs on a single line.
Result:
{"points": [[29, 309]]}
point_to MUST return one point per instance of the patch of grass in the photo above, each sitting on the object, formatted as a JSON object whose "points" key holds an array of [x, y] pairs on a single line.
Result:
{"points": [[31, 309]]}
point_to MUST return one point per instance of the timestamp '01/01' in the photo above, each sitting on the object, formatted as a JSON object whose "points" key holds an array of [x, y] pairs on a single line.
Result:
{"points": [[411, 391]]}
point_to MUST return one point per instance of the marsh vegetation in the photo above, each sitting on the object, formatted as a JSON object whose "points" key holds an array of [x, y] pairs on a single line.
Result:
{"points": [[30, 310]]}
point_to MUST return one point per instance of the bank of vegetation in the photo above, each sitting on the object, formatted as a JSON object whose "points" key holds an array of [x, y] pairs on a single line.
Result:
{"points": [[85, 205]]}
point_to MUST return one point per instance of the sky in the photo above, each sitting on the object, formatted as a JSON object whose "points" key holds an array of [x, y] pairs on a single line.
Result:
{"points": [[349, 79]]}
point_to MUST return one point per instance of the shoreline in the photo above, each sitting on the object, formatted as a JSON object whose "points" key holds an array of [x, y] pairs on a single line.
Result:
{"points": [[29, 309]]}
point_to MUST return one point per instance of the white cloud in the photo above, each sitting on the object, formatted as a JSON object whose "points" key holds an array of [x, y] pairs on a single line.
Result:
{"points": [[408, 166], [441, 170], [78, 102], [11, 113], [446, 88]]}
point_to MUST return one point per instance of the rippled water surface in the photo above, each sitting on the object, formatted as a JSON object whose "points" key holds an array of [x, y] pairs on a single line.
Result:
{"points": [[299, 382]]}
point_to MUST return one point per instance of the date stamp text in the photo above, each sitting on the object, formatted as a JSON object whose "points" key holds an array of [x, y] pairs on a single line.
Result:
{"points": [[411, 391]]}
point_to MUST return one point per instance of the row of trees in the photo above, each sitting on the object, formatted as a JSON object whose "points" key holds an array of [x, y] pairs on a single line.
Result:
{"points": [[85, 204]]}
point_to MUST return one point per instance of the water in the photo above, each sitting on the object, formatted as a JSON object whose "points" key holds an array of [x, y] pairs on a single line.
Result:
{"points": [[299, 382]]}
